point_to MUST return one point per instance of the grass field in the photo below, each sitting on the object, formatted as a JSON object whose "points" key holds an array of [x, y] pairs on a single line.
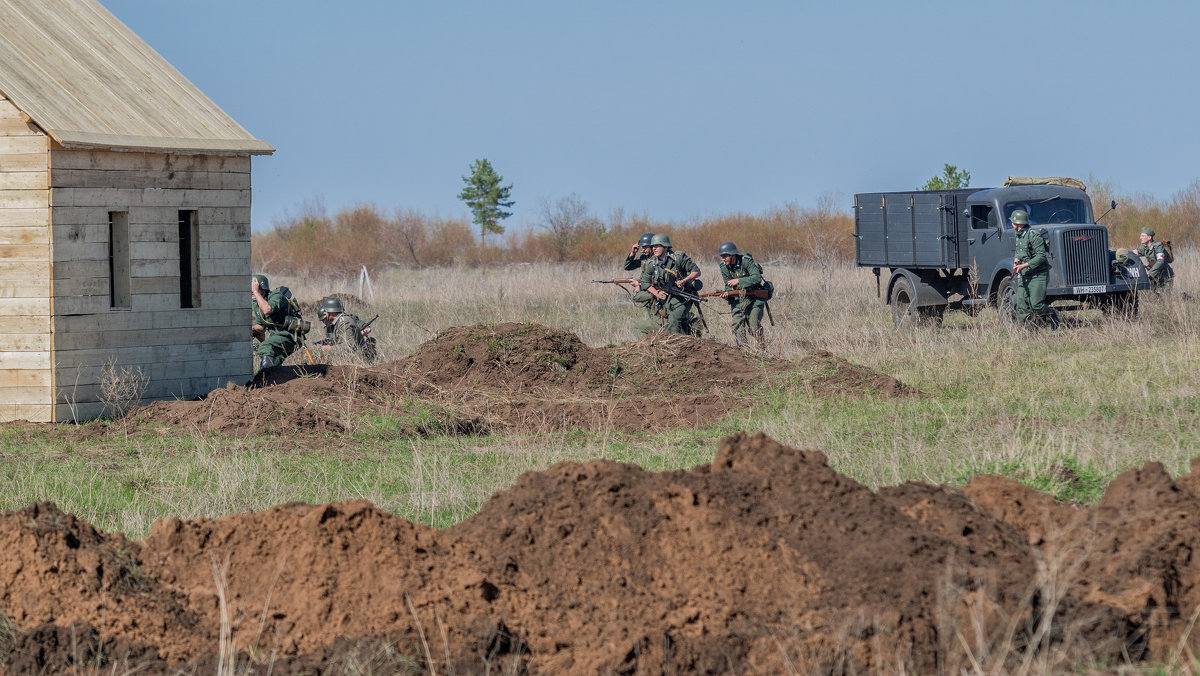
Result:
{"points": [[1062, 411]]}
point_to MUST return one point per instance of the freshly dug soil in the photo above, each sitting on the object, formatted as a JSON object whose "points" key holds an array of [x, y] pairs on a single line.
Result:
{"points": [[522, 376], [764, 561]]}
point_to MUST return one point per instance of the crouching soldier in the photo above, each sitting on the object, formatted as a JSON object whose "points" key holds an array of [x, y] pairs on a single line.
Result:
{"points": [[275, 335], [1157, 260], [741, 276], [345, 330]]}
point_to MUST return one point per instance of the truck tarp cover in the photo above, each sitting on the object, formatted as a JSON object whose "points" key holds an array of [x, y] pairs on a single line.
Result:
{"points": [[1044, 180]]}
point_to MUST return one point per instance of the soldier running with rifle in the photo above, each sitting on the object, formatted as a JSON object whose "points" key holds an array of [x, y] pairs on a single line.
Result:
{"points": [[747, 293], [672, 280]]}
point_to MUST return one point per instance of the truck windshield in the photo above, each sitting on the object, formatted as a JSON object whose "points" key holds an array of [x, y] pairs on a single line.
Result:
{"points": [[1054, 210]]}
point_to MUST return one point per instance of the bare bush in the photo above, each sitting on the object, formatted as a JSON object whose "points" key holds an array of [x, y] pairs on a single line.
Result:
{"points": [[121, 387]]}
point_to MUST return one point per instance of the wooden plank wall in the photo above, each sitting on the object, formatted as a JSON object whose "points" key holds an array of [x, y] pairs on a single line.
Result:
{"points": [[26, 389], [182, 352]]}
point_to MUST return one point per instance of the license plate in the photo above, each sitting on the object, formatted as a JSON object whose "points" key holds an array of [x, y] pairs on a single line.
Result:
{"points": [[1090, 289]]}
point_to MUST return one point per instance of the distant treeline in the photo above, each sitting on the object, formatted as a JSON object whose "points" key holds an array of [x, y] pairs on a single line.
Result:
{"points": [[339, 244]]}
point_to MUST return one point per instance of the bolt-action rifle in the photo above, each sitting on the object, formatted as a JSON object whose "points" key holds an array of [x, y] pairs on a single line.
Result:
{"points": [[619, 282], [755, 293]]}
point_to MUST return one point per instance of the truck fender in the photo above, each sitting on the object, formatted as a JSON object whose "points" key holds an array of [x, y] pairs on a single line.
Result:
{"points": [[1003, 269], [929, 289]]}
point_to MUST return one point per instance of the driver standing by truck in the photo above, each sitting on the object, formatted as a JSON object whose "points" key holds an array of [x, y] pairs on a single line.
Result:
{"points": [[1032, 268]]}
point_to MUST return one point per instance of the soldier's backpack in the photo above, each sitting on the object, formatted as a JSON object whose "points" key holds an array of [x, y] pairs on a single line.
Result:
{"points": [[1169, 251]]}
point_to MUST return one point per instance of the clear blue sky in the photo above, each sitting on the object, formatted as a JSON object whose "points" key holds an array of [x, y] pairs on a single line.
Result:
{"points": [[679, 110]]}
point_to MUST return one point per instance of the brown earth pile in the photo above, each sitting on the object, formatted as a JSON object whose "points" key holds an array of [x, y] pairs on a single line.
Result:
{"points": [[524, 376], [765, 561]]}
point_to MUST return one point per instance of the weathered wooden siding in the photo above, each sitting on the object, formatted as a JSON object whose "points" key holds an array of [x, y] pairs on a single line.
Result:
{"points": [[26, 387], [183, 352]]}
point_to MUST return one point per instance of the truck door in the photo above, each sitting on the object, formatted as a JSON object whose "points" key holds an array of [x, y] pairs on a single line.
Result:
{"points": [[952, 234], [989, 242]]}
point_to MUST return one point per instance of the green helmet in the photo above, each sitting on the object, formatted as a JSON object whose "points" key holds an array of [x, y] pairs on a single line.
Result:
{"points": [[332, 304], [263, 284], [645, 239], [1019, 217], [660, 240], [727, 249]]}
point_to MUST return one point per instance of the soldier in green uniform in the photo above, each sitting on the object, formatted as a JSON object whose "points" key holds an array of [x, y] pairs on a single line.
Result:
{"points": [[639, 253], [637, 259], [739, 271], [1154, 255], [667, 269], [271, 326], [344, 330], [1032, 268]]}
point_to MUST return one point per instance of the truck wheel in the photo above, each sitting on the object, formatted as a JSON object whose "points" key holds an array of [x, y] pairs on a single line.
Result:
{"points": [[905, 311], [1121, 305], [1006, 299]]}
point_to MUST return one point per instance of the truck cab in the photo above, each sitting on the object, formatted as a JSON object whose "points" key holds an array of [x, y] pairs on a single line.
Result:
{"points": [[953, 249]]}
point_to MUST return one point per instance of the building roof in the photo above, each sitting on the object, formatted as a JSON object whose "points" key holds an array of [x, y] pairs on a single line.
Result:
{"points": [[90, 82]]}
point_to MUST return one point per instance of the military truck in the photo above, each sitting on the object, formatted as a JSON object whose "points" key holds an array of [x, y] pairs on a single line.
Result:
{"points": [[953, 250]]}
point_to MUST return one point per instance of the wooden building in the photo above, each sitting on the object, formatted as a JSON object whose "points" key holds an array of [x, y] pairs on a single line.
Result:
{"points": [[124, 219]]}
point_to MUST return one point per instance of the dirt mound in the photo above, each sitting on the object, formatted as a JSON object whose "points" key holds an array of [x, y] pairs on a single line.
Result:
{"points": [[764, 561], [829, 376], [523, 376]]}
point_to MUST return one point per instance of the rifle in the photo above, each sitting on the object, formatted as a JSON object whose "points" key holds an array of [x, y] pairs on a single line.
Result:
{"points": [[755, 293], [364, 327], [619, 282]]}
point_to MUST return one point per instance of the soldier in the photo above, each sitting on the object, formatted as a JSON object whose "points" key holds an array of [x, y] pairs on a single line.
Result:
{"points": [[670, 269], [739, 272], [1032, 268], [276, 335], [1158, 264], [639, 253], [345, 329], [637, 259]]}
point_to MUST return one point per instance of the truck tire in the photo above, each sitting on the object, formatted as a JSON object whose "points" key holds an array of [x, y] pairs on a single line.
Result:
{"points": [[1006, 299], [1120, 305], [905, 311]]}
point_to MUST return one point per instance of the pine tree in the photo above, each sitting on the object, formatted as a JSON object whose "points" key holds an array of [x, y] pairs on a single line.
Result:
{"points": [[486, 197], [952, 177]]}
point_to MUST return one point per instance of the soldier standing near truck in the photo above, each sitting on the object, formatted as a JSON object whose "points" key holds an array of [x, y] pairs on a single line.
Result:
{"points": [[1157, 261], [1032, 268]]}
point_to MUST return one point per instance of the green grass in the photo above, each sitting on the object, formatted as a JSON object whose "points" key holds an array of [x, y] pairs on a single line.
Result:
{"points": [[1063, 412]]}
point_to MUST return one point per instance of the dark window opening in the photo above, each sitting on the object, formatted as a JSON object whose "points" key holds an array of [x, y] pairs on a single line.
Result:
{"points": [[983, 216], [119, 296], [189, 259]]}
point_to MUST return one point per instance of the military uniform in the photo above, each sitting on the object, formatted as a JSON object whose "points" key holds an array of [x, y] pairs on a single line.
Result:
{"points": [[279, 342], [636, 261], [662, 274], [1031, 282], [346, 330], [746, 309], [1159, 270]]}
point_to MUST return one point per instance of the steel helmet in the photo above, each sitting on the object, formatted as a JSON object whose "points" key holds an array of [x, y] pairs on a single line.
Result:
{"points": [[645, 239], [1019, 217], [332, 304], [660, 240], [263, 284], [727, 249]]}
